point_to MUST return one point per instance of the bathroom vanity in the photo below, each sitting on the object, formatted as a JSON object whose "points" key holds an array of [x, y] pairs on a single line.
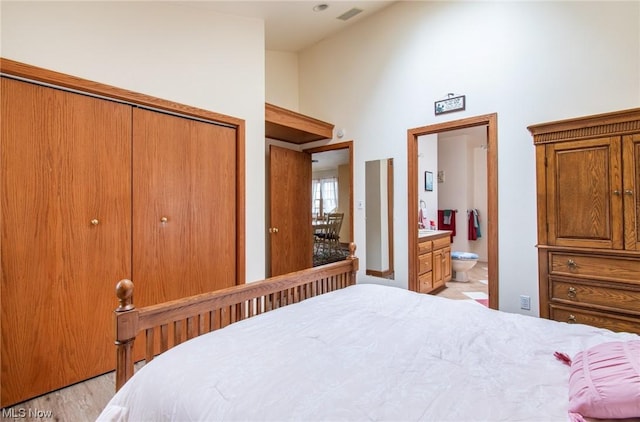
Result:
{"points": [[434, 260]]}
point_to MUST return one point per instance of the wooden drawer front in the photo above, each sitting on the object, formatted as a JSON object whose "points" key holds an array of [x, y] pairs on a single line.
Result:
{"points": [[424, 247], [443, 242], [425, 282], [595, 267], [597, 319], [605, 296], [424, 263]]}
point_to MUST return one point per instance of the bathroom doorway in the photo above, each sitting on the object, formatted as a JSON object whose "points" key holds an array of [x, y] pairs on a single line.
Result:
{"points": [[491, 229]]}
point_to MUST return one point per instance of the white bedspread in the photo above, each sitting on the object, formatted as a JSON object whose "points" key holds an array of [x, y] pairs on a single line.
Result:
{"points": [[367, 352]]}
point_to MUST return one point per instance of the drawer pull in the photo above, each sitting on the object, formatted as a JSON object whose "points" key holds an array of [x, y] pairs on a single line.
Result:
{"points": [[572, 293], [571, 319], [572, 264]]}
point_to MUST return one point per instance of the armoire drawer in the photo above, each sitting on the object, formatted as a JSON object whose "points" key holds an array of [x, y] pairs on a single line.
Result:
{"points": [[443, 242], [425, 263], [425, 282], [595, 267], [575, 315], [604, 295], [424, 247]]}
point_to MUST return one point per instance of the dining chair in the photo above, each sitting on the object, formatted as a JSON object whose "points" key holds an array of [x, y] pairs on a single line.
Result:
{"points": [[329, 236]]}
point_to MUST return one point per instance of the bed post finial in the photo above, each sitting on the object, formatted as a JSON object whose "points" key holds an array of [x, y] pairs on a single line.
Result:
{"points": [[352, 250], [124, 291], [354, 263], [125, 322]]}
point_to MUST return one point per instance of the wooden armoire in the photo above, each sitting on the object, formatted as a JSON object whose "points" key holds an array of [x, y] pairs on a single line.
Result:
{"points": [[100, 184], [588, 177]]}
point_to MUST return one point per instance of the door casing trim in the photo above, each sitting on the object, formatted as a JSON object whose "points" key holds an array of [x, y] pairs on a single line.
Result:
{"points": [[332, 147], [491, 121]]}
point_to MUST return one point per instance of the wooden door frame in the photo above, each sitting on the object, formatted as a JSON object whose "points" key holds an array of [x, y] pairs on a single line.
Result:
{"points": [[332, 147], [491, 121]]}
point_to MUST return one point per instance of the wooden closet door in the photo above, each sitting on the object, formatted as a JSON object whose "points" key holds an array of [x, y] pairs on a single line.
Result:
{"points": [[66, 235], [184, 230], [584, 185]]}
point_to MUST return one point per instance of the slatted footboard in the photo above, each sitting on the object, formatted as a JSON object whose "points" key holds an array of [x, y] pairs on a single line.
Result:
{"points": [[168, 324]]}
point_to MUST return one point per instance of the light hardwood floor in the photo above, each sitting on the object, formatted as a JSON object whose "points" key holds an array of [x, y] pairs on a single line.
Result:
{"points": [[84, 401], [79, 402]]}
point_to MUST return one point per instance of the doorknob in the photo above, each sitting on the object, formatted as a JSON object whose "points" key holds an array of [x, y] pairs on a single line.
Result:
{"points": [[273, 230]]}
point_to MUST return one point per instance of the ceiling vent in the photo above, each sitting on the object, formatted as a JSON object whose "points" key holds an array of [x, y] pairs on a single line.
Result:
{"points": [[349, 14]]}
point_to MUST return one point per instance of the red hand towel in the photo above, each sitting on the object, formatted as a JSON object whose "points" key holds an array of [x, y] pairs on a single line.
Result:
{"points": [[452, 223], [473, 234]]}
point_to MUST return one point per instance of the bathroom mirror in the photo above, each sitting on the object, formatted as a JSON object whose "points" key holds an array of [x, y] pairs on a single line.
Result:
{"points": [[379, 218]]}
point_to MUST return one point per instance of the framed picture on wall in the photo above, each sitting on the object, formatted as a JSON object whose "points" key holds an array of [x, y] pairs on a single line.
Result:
{"points": [[428, 181]]}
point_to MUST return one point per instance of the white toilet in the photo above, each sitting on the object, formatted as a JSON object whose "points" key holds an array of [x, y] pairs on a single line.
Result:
{"points": [[461, 262]]}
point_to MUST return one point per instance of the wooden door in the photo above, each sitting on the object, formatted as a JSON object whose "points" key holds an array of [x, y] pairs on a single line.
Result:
{"points": [[66, 235], [438, 269], [631, 193], [446, 264], [290, 231], [184, 207], [584, 193]]}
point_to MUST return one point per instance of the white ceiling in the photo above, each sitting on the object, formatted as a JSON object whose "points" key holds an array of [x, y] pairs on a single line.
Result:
{"points": [[329, 160], [292, 25]]}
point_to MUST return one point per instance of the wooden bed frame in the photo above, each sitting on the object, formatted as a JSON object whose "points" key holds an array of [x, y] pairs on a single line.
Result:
{"points": [[182, 319]]}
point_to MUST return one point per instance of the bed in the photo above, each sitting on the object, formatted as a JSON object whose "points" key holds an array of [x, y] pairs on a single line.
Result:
{"points": [[317, 346]]}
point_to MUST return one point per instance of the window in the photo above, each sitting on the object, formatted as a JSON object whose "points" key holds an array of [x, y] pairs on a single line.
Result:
{"points": [[324, 196]]}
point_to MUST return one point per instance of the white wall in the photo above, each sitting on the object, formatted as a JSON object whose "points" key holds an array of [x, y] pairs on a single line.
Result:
{"points": [[427, 161], [281, 75], [464, 164], [479, 200], [529, 62], [183, 54]]}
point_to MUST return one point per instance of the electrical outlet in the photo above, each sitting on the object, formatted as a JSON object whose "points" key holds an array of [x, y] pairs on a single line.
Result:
{"points": [[525, 302]]}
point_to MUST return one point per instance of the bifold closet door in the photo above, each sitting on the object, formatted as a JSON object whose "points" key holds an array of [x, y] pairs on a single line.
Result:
{"points": [[66, 235], [184, 207]]}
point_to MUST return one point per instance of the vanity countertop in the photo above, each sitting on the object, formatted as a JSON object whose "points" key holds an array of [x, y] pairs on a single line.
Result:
{"points": [[431, 234]]}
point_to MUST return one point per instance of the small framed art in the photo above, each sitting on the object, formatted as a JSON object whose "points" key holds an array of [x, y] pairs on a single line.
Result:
{"points": [[428, 181], [450, 104]]}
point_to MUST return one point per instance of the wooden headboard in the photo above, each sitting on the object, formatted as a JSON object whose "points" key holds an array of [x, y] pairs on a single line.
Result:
{"points": [[168, 324]]}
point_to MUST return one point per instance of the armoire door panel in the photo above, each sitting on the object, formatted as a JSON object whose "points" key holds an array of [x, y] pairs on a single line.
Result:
{"points": [[66, 235], [587, 175], [631, 193], [184, 200]]}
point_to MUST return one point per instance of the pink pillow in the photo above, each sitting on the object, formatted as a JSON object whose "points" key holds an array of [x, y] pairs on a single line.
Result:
{"points": [[605, 382]]}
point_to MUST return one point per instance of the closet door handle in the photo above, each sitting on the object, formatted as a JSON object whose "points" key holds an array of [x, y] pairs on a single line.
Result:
{"points": [[616, 192], [164, 220], [95, 222], [628, 192]]}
